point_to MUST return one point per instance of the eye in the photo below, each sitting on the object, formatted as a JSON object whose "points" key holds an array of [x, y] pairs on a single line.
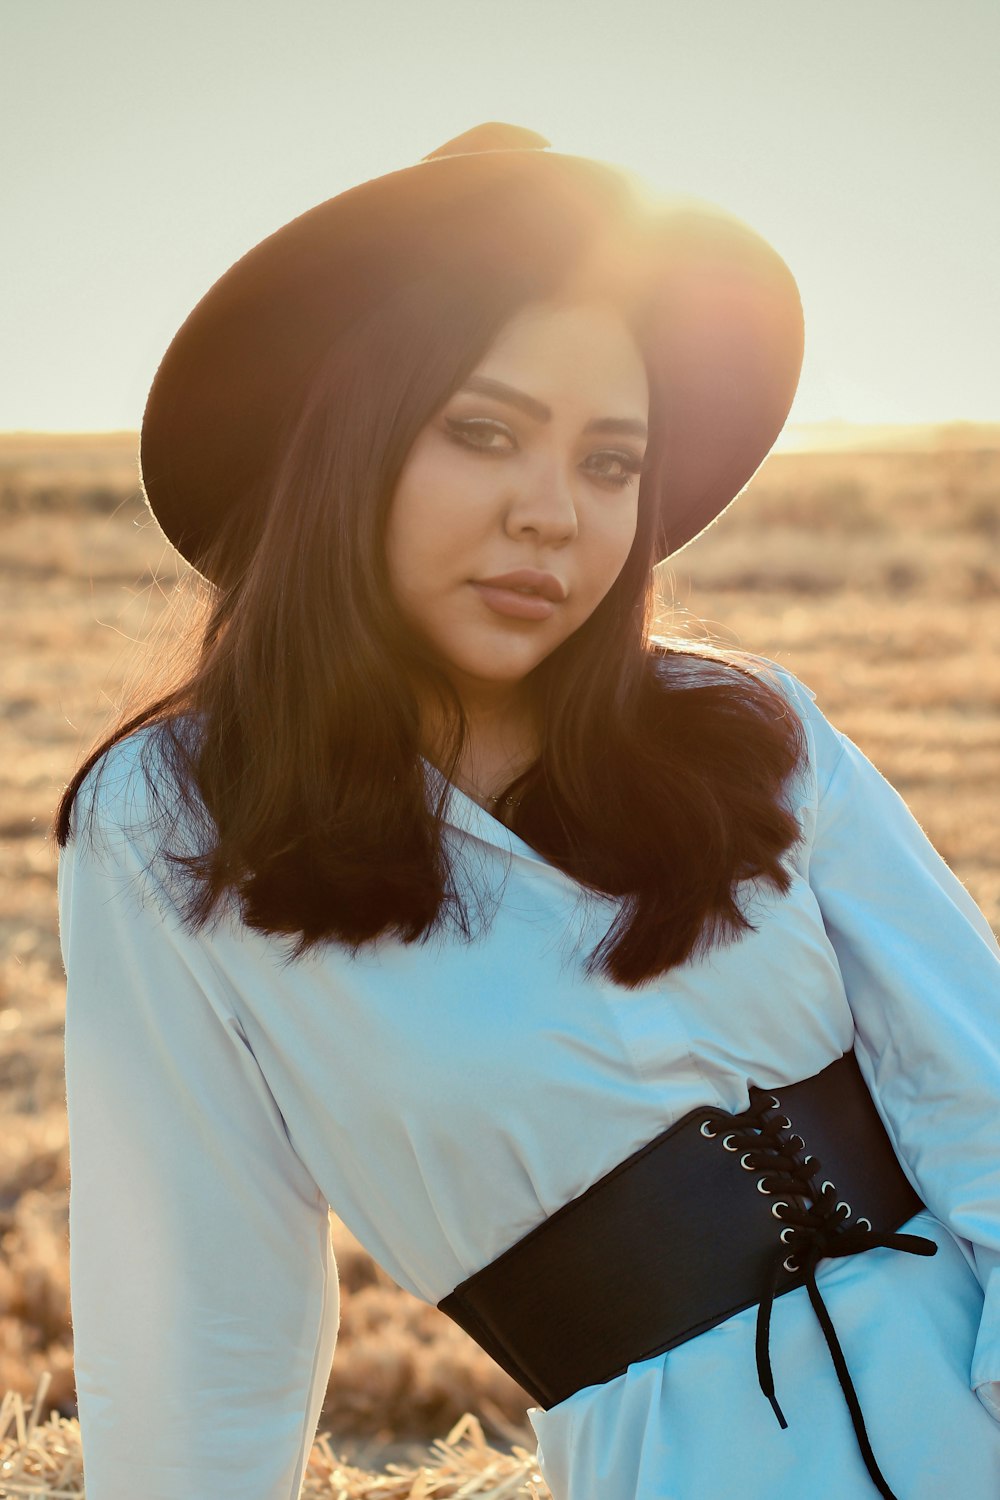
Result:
{"points": [[629, 463], [467, 432]]}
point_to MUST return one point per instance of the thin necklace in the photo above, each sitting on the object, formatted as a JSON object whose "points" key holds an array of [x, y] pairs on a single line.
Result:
{"points": [[494, 798], [509, 801]]}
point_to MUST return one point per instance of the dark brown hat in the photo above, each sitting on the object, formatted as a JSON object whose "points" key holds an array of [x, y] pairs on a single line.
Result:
{"points": [[723, 331]]}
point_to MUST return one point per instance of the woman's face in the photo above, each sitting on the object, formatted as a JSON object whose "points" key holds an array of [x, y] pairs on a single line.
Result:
{"points": [[543, 474]]}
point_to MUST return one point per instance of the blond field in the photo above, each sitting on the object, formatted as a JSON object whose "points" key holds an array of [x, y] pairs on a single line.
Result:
{"points": [[874, 576]]}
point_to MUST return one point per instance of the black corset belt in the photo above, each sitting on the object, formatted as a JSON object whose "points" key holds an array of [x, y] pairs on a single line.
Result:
{"points": [[718, 1213]]}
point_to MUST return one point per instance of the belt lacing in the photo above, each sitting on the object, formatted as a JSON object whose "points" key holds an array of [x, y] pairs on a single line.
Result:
{"points": [[813, 1229]]}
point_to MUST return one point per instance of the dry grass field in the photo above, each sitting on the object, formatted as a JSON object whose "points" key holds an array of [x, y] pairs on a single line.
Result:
{"points": [[874, 576]]}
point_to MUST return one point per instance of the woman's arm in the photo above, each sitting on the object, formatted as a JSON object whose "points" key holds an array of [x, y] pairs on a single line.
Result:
{"points": [[204, 1291], [921, 969]]}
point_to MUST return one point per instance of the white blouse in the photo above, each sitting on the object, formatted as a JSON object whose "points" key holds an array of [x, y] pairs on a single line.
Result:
{"points": [[446, 1097]]}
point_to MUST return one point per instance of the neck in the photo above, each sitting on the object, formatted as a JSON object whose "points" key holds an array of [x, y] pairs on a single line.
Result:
{"points": [[502, 741]]}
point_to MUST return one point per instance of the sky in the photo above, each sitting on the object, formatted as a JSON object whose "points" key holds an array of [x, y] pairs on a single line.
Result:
{"points": [[145, 146]]}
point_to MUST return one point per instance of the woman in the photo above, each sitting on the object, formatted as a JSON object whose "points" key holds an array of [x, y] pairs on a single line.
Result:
{"points": [[445, 893]]}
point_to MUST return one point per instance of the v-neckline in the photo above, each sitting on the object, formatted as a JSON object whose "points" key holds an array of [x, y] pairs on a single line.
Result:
{"points": [[464, 812]]}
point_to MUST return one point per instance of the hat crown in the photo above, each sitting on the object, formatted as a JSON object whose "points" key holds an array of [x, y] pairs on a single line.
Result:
{"points": [[493, 135]]}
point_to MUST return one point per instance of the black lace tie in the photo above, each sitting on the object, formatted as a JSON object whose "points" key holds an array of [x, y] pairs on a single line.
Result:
{"points": [[812, 1229]]}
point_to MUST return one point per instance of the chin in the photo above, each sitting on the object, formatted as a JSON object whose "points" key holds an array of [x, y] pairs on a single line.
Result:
{"points": [[496, 667], [491, 675]]}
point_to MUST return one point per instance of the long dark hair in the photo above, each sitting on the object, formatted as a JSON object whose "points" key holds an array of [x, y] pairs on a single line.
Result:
{"points": [[290, 745]]}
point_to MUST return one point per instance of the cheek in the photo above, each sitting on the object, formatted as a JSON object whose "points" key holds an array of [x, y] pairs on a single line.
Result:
{"points": [[616, 529], [430, 547], [431, 511]]}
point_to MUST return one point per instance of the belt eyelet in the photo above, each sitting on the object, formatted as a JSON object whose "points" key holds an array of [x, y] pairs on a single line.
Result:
{"points": [[863, 1220], [725, 1141], [708, 1134], [786, 1231], [788, 1264], [776, 1206], [743, 1163]]}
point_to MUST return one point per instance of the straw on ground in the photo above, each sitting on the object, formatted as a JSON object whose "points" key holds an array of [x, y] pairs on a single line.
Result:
{"points": [[44, 1460]]}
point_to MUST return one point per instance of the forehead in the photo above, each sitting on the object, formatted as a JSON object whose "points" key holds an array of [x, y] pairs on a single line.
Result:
{"points": [[553, 345]]}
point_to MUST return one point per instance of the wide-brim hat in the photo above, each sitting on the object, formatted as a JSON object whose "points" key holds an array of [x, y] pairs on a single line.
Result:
{"points": [[723, 325]]}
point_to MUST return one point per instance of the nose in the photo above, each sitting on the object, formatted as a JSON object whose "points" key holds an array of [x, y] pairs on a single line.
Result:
{"points": [[545, 503]]}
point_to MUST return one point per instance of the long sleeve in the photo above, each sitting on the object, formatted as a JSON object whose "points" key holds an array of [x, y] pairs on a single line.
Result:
{"points": [[204, 1290], [921, 970]]}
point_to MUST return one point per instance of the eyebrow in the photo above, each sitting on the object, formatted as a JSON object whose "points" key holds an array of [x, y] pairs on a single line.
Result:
{"points": [[485, 386]]}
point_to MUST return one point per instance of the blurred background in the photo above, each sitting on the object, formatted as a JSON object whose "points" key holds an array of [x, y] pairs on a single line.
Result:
{"points": [[146, 147]]}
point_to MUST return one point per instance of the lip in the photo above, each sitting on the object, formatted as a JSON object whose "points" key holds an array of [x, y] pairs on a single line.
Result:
{"points": [[516, 606], [547, 585]]}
